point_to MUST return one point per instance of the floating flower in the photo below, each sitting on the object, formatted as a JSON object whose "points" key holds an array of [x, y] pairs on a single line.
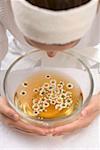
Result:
{"points": [[57, 106], [68, 105], [59, 86], [53, 96], [58, 101], [58, 91], [61, 82], [35, 90], [69, 86], [43, 100], [69, 101], [35, 101], [62, 96], [36, 113], [63, 105], [42, 92], [53, 82], [63, 91], [46, 104], [25, 84], [53, 102], [46, 85], [48, 76], [35, 107], [51, 88], [68, 94], [23, 93], [41, 108]]}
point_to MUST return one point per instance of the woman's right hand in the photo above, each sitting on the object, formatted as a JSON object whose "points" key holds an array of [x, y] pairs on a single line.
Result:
{"points": [[12, 119]]}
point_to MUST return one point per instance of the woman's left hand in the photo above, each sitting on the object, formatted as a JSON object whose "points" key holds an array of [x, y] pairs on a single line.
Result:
{"points": [[85, 119]]}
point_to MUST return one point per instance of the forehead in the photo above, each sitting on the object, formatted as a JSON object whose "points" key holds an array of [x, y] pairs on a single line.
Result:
{"points": [[45, 26]]}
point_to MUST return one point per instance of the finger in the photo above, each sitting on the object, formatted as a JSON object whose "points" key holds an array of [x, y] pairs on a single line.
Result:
{"points": [[92, 107], [87, 116], [62, 134], [76, 125], [24, 132], [31, 129], [27, 132], [7, 111], [25, 127], [89, 110]]}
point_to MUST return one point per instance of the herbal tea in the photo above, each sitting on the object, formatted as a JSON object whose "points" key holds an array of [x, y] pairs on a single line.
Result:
{"points": [[48, 94]]}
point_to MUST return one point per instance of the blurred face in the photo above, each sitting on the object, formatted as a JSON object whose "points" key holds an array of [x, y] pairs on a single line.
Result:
{"points": [[53, 48]]}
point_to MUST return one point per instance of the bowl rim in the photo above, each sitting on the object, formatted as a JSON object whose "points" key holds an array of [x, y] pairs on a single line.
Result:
{"points": [[48, 121]]}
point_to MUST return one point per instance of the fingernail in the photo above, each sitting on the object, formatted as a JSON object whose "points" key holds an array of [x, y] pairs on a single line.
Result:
{"points": [[15, 117]]}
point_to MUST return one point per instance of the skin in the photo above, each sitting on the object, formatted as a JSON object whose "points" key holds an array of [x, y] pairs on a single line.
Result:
{"points": [[13, 120], [52, 49], [87, 116]]}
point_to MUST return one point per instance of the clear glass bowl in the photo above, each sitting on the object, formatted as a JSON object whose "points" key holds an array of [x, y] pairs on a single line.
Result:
{"points": [[24, 66]]}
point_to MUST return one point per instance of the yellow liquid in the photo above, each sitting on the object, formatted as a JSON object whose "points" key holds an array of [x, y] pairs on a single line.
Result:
{"points": [[48, 94]]}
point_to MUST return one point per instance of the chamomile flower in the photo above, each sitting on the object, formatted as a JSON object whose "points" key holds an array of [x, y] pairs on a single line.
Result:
{"points": [[34, 101], [53, 102], [62, 91], [23, 93], [42, 92], [42, 100], [46, 104], [53, 96], [35, 107], [59, 86], [68, 105], [59, 101], [63, 105], [53, 82], [58, 106], [25, 84], [46, 85], [61, 82], [50, 88], [48, 76], [35, 112], [35, 90], [62, 96], [69, 101], [68, 94], [69, 86], [41, 108], [58, 91]]}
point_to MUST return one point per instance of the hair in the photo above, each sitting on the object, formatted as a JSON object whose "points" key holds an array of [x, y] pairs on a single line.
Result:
{"points": [[58, 4]]}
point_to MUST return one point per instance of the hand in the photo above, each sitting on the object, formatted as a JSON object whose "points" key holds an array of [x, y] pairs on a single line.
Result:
{"points": [[86, 118], [12, 119]]}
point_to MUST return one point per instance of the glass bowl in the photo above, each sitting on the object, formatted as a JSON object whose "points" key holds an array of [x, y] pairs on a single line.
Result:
{"points": [[26, 65]]}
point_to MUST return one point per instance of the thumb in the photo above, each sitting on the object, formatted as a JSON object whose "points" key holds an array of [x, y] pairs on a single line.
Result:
{"points": [[7, 111], [93, 107]]}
